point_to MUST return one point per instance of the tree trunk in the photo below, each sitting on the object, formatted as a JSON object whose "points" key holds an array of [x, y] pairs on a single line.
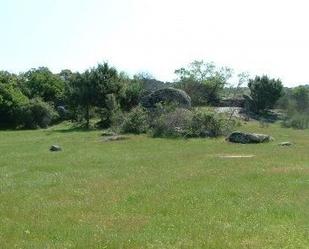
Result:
{"points": [[87, 117]]}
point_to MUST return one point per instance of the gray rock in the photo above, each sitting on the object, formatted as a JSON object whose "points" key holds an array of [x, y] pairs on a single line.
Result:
{"points": [[115, 138], [248, 138], [108, 134], [285, 144], [167, 95], [55, 148]]}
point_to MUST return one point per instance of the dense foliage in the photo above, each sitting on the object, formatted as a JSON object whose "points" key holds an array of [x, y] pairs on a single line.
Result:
{"points": [[11, 102], [296, 102], [169, 120], [203, 81], [264, 93], [39, 98]]}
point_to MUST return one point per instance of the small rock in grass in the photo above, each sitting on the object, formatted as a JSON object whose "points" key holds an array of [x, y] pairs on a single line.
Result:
{"points": [[108, 134], [55, 148], [115, 138], [285, 144]]}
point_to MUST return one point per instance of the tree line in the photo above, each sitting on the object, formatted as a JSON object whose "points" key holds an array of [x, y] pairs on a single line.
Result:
{"points": [[38, 98]]}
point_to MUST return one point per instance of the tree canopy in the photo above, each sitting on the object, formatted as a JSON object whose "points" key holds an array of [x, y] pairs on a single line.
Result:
{"points": [[264, 92], [203, 81]]}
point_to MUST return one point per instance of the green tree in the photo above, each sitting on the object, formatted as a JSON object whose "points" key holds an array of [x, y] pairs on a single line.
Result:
{"points": [[264, 93], [37, 114], [92, 89], [42, 83], [203, 81], [130, 94], [300, 95], [7, 77], [11, 101]]}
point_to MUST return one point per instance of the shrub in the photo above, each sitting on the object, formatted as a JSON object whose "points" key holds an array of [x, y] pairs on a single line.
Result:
{"points": [[210, 124], [300, 95], [297, 121], [11, 102], [171, 121], [37, 114], [136, 121], [130, 95], [264, 93], [107, 113], [198, 92], [186, 123], [203, 81], [63, 112], [172, 124]]}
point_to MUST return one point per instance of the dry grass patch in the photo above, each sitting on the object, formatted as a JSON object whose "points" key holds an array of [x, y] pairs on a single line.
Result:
{"points": [[288, 170]]}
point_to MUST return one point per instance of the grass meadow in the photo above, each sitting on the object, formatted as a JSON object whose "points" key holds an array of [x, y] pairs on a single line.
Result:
{"points": [[152, 193]]}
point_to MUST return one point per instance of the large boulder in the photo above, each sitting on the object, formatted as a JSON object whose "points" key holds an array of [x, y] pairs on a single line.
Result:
{"points": [[167, 95], [248, 138]]}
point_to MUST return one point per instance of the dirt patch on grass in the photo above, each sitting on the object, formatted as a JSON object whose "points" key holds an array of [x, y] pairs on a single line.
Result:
{"points": [[287, 170], [236, 156]]}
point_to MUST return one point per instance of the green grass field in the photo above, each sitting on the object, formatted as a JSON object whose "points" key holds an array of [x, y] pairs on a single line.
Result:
{"points": [[152, 193]]}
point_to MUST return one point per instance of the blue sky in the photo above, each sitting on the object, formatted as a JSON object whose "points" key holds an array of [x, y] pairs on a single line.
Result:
{"points": [[265, 36]]}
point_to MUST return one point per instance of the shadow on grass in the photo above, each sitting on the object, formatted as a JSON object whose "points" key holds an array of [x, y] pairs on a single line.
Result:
{"points": [[69, 129], [73, 129]]}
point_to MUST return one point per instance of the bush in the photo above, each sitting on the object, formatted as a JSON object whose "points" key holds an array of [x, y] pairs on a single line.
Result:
{"points": [[106, 114], [185, 123], [297, 121], [136, 121], [37, 114], [11, 102], [172, 124], [209, 124], [64, 114], [264, 93], [171, 121], [198, 92], [300, 95], [130, 95], [203, 81]]}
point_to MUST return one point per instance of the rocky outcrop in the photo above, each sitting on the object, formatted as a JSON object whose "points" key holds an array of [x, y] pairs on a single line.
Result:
{"points": [[167, 95]]}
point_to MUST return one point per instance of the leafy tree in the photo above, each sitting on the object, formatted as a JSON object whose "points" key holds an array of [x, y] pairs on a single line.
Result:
{"points": [[7, 77], [41, 82], [92, 88], [203, 81], [11, 102], [82, 94], [66, 74], [130, 94], [300, 95], [264, 92], [37, 114]]}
